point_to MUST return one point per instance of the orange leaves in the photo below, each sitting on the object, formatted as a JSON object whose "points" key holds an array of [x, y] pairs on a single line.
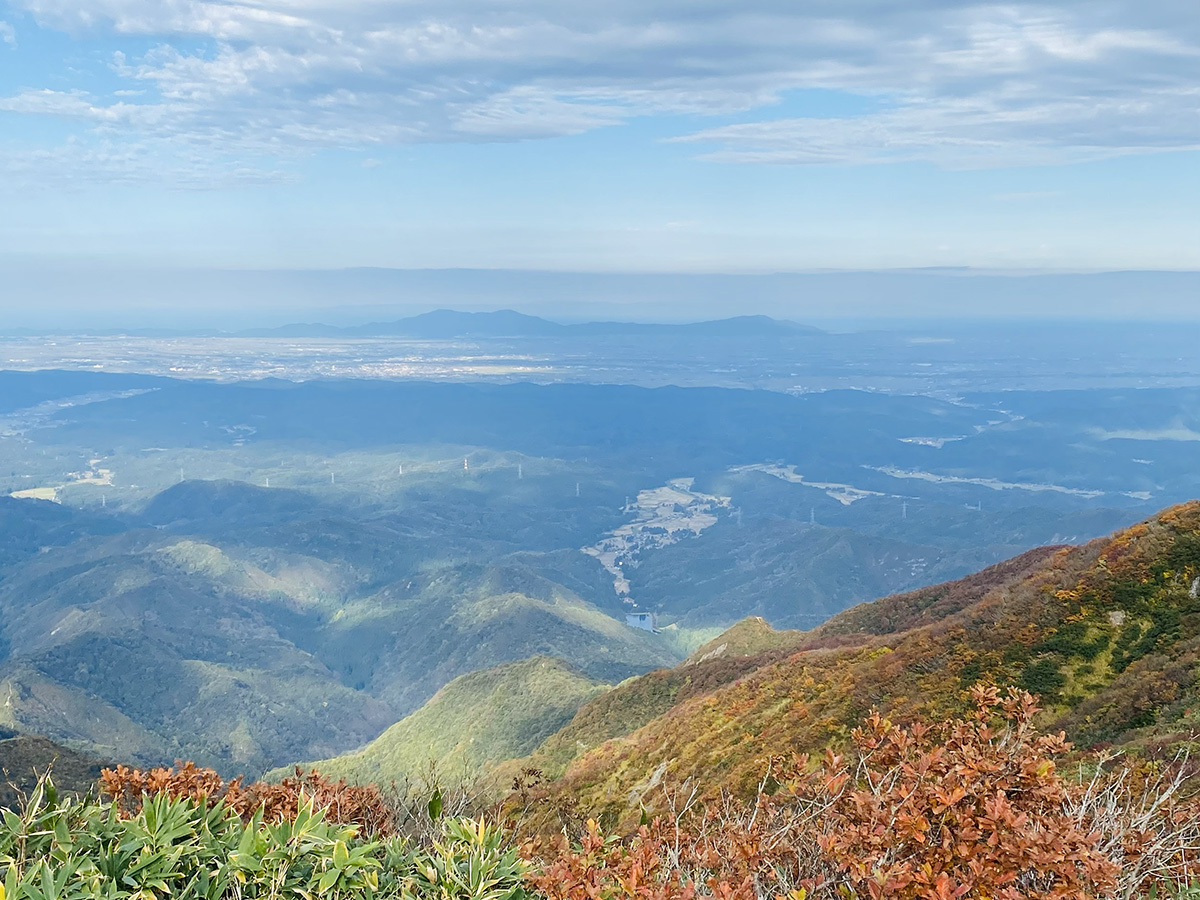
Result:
{"points": [[969, 808], [603, 868], [835, 782], [345, 804]]}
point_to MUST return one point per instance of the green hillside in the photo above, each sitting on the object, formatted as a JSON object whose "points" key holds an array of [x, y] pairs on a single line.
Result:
{"points": [[745, 647], [476, 720], [408, 639], [144, 647], [286, 634]]}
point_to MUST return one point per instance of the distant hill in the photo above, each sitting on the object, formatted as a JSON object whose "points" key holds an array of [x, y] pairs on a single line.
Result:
{"points": [[443, 323], [29, 525], [449, 323], [1107, 633], [199, 503], [735, 327], [23, 758], [477, 719]]}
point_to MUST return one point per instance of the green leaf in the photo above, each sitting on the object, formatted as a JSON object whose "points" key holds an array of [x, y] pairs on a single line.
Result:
{"points": [[435, 805], [340, 855]]}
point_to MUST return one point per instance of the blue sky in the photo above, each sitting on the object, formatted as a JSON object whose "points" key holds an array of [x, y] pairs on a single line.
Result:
{"points": [[656, 135]]}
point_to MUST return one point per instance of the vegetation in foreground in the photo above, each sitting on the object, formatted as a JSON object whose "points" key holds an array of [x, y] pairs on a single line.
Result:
{"points": [[181, 846], [973, 807]]}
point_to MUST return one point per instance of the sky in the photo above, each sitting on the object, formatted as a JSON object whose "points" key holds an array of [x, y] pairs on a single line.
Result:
{"points": [[617, 136]]}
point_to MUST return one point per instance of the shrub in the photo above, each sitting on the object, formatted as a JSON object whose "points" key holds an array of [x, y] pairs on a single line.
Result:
{"points": [[181, 847], [965, 809], [1043, 677], [344, 804], [971, 808]]}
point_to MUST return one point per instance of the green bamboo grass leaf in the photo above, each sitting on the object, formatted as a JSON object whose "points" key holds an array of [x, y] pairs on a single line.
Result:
{"points": [[435, 805]]}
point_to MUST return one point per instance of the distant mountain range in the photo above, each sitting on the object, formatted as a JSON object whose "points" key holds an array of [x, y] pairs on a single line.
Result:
{"points": [[444, 324], [107, 296], [449, 323]]}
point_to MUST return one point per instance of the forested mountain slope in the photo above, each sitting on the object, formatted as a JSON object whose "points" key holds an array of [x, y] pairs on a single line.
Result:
{"points": [[25, 758], [1107, 633], [476, 720], [246, 628]]}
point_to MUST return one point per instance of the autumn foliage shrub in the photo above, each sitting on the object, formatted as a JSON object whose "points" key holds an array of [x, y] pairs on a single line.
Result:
{"points": [[965, 810], [971, 808], [974, 808], [344, 804]]}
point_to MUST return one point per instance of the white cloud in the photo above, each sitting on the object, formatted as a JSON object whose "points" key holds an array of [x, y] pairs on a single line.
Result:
{"points": [[76, 163], [8, 34], [991, 129], [956, 83]]}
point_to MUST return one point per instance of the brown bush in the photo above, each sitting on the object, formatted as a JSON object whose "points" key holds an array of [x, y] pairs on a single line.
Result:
{"points": [[971, 808], [963, 810], [344, 803]]}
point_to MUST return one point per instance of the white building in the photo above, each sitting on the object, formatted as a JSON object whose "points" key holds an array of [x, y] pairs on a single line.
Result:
{"points": [[644, 620]]}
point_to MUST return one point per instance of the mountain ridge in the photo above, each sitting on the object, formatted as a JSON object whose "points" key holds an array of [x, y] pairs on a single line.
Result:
{"points": [[451, 323], [1107, 632]]}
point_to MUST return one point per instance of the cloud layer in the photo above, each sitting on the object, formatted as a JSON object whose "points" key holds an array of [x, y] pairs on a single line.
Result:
{"points": [[228, 85]]}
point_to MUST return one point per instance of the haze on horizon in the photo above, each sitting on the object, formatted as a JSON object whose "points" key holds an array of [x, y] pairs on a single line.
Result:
{"points": [[254, 143]]}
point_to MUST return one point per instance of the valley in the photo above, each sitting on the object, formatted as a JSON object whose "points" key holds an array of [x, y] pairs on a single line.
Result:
{"points": [[662, 516]]}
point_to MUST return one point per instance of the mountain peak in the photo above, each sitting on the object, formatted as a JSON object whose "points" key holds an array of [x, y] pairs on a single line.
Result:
{"points": [[748, 637]]}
